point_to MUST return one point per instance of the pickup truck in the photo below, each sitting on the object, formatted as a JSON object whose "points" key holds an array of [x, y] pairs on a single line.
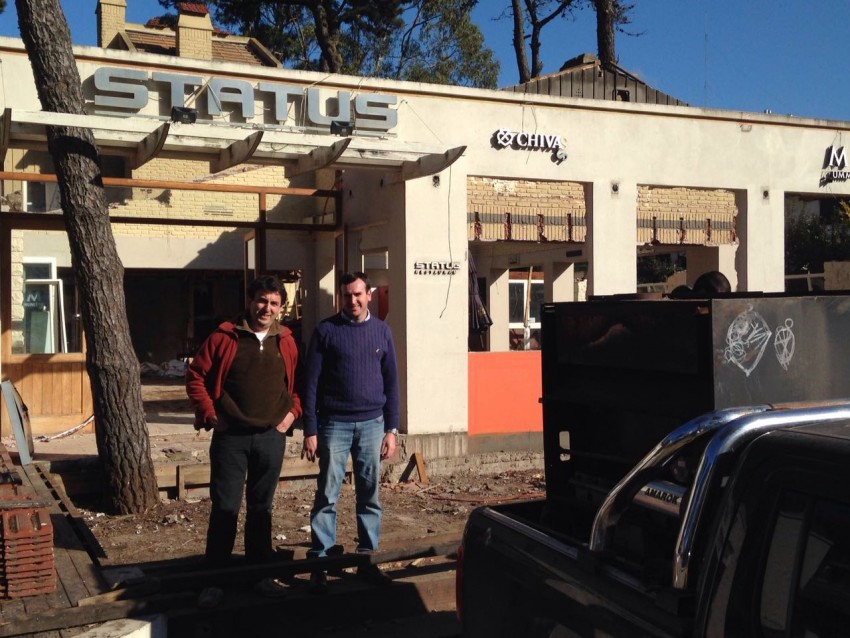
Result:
{"points": [[735, 522]]}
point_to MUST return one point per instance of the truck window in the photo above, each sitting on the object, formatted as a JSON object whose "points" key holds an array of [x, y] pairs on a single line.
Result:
{"points": [[777, 591], [822, 606], [806, 586]]}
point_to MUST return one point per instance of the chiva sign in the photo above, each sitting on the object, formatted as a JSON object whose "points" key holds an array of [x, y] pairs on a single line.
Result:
{"points": [[523, 140], [834, 166], [120, 89]]}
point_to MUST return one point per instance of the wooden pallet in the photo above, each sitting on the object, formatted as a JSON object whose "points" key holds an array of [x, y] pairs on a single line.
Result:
{"points": [[75, 554], [179, 480]]}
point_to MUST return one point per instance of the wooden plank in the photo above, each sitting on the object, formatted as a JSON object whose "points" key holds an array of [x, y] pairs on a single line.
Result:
{"points": [[57, 399], [5, 132], [42, 390], [420, 467], [171, 475], [87, 539], [76, 616], [181, 481], [11, 607], [68, 399], [75, 567]]}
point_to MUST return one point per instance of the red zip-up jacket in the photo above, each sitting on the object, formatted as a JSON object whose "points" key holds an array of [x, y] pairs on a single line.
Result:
{"points": [[206, 374]]}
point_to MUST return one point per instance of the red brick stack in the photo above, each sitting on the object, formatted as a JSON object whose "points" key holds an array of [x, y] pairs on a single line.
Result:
{"points": [[27, 567]]}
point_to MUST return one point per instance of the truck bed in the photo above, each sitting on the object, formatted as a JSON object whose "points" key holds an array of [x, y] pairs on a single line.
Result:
{"points": [[525, 569]]}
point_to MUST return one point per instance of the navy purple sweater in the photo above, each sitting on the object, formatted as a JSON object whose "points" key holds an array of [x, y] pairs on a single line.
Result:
{"points": [[350, 374]]}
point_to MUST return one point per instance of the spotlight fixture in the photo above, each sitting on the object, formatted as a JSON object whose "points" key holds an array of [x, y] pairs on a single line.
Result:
{"points": [[183, 114], [341, 128]]}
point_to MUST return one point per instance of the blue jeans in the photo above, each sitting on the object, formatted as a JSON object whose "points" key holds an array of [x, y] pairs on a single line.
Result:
{"points": [[336, 440]]}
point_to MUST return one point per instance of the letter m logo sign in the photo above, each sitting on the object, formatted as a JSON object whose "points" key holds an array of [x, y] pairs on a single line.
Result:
{"points": [[835, 158]]}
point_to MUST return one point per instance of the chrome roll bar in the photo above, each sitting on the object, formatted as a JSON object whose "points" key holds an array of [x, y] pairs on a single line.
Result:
{"points": [[647, 469], [726, 442]]}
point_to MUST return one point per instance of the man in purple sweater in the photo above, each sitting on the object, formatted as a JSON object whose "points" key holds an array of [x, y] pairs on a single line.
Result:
{"points": [[351, 405]]}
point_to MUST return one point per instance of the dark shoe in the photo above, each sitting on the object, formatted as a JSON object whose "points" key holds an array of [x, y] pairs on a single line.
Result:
{"points": [[336, 550], [373, 575], [318, 582], [210, 597], [271, 588]]}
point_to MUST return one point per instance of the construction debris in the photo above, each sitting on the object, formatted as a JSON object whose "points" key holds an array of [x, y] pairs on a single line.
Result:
{"points": [[27, 566]]}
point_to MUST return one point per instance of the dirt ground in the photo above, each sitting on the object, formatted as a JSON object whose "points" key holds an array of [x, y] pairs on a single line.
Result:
{"points": [[413, 511]]}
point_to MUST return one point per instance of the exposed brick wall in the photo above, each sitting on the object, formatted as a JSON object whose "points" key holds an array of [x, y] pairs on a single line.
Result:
{"points": [[686, 216], [555, 210], [528, 210], [208, 205]]}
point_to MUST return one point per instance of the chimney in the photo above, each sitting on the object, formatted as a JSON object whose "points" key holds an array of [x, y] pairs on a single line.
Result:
{"points": [[110, 20], [194, 31]]}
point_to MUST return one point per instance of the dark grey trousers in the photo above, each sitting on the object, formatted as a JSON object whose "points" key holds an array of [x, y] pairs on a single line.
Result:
{"points": [[250, 461]]}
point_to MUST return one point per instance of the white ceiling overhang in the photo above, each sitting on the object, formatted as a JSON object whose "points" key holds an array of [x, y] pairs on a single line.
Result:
{"points": [[141, 139]]}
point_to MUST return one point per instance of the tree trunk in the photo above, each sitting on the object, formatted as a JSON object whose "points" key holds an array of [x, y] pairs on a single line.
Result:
{"points": [[519, 43], [605, 33], [327, 36], [121, 431]]}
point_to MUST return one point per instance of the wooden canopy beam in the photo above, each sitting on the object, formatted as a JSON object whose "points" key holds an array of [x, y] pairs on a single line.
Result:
{"points": [[427, 165], [318, 158], [5, 133], [150, 146], [238, 152]]}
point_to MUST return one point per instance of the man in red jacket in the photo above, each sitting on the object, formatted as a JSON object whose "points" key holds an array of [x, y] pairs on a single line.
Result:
{"points": [[242, 386]]}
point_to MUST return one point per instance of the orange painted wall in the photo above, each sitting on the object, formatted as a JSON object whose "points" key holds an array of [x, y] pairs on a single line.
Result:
{"points": [[504, 392]]}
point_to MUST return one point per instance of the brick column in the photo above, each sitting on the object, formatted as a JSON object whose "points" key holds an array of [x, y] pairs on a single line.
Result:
{"points": [[111, 15]]}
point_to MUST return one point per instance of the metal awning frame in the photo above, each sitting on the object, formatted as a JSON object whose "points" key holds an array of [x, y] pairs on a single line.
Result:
{"points": [[141, 139]]}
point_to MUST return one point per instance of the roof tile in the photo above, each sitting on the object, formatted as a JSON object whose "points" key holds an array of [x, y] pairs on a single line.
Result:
{"points": [[195, 8]]}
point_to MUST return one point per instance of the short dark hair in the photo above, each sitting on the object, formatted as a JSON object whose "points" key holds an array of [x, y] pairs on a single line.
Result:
{"points": [[711, 283], [267, 283], [351, 277]]}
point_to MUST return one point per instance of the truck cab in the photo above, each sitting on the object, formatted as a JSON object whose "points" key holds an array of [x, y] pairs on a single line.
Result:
{"points": [[685, 497]]}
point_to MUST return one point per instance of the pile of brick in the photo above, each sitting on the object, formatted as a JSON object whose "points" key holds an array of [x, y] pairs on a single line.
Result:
{"points": [[27, 566]]}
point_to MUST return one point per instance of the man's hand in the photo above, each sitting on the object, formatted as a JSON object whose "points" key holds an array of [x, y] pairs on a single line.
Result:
{"points": [[388, 445], [283, 426], [308, 450]]}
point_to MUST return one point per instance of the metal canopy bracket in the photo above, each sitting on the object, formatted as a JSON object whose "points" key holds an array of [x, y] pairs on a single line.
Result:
{"points": [[150, 146], [427, 165], [238, 152], [318, 158]]}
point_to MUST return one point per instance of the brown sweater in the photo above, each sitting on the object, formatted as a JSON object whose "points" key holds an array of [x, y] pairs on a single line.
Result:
{"points": [[254, 394]]}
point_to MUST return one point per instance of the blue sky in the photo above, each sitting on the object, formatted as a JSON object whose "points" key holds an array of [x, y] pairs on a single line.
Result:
{"points": [[786, 56]]}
